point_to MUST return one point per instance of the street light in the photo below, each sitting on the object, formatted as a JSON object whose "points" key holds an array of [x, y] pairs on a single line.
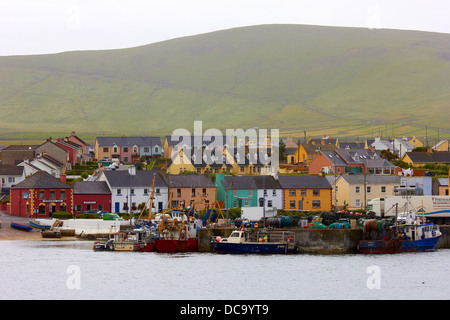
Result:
{"points": [[131, 172]]}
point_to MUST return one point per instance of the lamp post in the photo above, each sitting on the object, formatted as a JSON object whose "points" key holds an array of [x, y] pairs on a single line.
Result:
{"points": [[131, 172]]}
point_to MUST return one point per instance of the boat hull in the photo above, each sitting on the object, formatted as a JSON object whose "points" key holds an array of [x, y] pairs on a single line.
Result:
{"points": [[173, 246], [254, 248], [381, 246], [21, 227]]}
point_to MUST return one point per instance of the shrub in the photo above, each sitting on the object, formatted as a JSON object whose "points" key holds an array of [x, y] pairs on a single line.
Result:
{"points": [[62, 215]]}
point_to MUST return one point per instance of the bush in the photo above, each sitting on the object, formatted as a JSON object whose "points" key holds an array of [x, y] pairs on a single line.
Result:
{"points": [[62, 215]]}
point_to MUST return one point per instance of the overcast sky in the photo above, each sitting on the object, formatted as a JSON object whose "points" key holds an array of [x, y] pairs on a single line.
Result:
{"points": [[49, 26]]}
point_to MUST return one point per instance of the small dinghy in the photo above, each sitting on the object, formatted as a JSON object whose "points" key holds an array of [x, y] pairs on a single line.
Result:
{"points": [[19, 226]]}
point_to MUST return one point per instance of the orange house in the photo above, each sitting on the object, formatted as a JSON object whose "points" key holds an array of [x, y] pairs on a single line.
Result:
{"points": [[306, 193], [188, 190]]}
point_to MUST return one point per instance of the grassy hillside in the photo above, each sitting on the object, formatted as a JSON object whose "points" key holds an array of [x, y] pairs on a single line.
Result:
{"points": [[340, 81]]}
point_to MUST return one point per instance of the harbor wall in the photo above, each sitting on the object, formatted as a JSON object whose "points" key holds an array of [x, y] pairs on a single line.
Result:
{"points": [[89, 226], [314, 241]]}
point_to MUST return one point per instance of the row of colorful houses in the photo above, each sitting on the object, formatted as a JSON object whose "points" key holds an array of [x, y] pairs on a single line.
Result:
{"points": [[41, 194]]}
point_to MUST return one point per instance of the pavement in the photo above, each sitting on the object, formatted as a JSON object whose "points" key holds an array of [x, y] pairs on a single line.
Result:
{"points": [[8, 233]]}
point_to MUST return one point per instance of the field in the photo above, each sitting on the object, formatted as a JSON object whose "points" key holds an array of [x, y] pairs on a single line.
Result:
{"points": [[346, 82]]}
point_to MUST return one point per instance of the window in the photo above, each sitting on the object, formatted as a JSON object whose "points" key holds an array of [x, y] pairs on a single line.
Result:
{"points": [[369, 189], [316, 192], [269, 203], [193, 192], [25, 195], [204, 191], [11, 179], [235, 204], [135, 149], [274, 192], [119, 192], [265, 192], [132, 191], [146, 149], [292, 204], [41, 194], [62, 194], [157, 191], [292, 193], [52, 194], [178, 192], [125, 149], [383, 189], [115, 149], [316, 204], [156, 149], [145, 191], [358, 203], [303, 193], [125, 159], [247, 203], [357, 189], [105, 149]]}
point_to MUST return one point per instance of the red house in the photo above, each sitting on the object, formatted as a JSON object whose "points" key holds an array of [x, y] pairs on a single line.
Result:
{"points": [[91, 195], [327, 162], [39, 196]]}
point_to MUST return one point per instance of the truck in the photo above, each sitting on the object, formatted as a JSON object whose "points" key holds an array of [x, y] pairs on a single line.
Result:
{"points": [[435, 208]]}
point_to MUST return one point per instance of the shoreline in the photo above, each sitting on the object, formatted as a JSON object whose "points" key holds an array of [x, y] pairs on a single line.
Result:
{"points": [[7, 233]]}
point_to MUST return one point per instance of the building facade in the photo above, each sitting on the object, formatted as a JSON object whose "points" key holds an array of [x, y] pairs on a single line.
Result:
{"points": [[40, 195]]}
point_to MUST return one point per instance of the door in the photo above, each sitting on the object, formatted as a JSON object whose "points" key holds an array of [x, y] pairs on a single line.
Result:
{"points": [[160, 206], [117, 205], [300, 205]]}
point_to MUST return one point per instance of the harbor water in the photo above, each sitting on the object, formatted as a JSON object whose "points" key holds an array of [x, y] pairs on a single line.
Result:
{"points": [[72, 270]]}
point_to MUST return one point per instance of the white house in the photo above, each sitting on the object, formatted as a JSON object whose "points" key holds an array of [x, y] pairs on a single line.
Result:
{"points": [[11, 175], [129, 188]]}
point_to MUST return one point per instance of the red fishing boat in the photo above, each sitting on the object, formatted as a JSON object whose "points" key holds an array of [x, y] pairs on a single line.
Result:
{"points": [[175, 236]]}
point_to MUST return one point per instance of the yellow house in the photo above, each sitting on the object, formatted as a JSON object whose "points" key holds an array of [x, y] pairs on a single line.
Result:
{"points": [[354, 191], [442, 145], [306, 193], [414, 141], [419, 159], [306, 152]]}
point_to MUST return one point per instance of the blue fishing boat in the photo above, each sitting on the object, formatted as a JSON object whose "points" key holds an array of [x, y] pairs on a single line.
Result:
{"points": [[241, 242], [19, 226], [408, 237], [39, 225]]}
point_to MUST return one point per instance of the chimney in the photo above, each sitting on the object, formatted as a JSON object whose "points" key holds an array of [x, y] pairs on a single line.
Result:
{"points": [[62, 178]]}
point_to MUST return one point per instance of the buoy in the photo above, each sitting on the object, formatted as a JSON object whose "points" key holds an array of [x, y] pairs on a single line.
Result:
{"points": [[218, 239]]}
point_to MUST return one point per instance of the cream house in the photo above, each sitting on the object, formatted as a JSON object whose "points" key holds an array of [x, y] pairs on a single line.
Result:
{"points": [[355, 190]]}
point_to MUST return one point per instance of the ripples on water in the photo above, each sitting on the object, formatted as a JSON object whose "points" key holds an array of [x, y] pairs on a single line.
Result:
{"points": [[41, 269]]}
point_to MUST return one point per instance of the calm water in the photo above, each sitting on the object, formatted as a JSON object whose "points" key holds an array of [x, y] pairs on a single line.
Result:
{"points": [[72, 270]]}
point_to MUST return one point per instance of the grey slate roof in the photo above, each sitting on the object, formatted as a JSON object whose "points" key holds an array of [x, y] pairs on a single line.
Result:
{"points": [[129, 141], [250, 182], [304, 182], [190, 181], [91, 187], [41, 180], [430, 157], [375, 179], [121, 178], [8, 170]]}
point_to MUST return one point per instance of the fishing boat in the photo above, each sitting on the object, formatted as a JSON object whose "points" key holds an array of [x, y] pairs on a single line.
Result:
{"points": [[104, 246], [19, 226], [245, 242], [135, 240], [175, 236], [39, 225], [380, 236]]}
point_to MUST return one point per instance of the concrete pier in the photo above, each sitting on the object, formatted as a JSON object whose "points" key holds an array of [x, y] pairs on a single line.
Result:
{"points": [[314, 241]]}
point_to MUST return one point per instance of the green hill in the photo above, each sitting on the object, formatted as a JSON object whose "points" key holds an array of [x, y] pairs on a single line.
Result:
{"points": [[340, 81]]}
